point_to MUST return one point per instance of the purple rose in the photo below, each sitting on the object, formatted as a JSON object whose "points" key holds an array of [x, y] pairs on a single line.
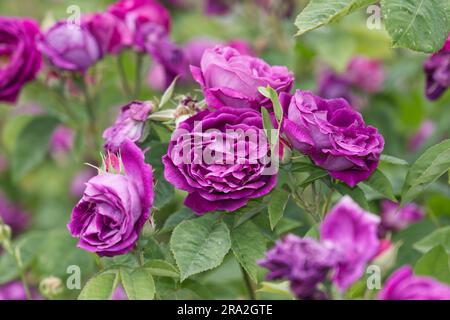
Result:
{"points": [[20, 61], [332, 85], [304, 262], [395, 218], [404, 285], [437, 71], [70, 47], [129, 125], [426, 130], [366, 74], [115, 206], [111, 33], [210, 158], [15, 290], [12, 215], [351, 233], [333, 135], [231, 79], [141, 16]]}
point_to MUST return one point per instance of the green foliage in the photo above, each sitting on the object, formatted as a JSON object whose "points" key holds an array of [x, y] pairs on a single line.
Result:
{"points": [[100, 286], [435, 263], [277, 204], [438, 237], [138, 284]]}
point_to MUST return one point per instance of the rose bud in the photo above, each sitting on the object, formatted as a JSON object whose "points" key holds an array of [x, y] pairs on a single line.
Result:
{"points": [[394, 218], [437, 71]]}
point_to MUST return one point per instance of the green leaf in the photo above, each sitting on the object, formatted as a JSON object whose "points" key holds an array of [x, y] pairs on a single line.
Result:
{"points": [[276, 288], [355, 193], [138, 284], [199, 244], [267, 121], [426, 170], [168, 94], [434, 264], [315, 174], [438, 237], [176, 218], [322, 12], [161, 268], [100, 286], [277, 204], [248, 245], [247, 212], [164, 192], [393, 160], [421, 25], [287, 224], [32, 144], [270, 93], [380, 183], [314, 232]]}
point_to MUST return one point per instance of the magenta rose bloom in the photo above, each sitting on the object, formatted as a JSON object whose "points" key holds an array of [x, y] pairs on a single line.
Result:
{"points": [[366, 74], [20, 61], [141, 16], [129, 125], [13, 215], [304, 262], [231, 79], [352, 234], [115, 205], [395, 218], [333, 135], [15, 290], [210, 158], [111, 32], [404, 285], [437, 71], [70, 47]]}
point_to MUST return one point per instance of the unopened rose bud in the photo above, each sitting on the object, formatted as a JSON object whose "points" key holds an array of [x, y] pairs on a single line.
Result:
{"points": [[5, 233], [51, 287], [386, 256]]}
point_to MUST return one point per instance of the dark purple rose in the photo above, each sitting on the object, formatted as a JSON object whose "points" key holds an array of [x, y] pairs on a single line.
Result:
{"points": [[115, 205], [129, 125], [352, 234], [70, 47], [332, 85], [141, 17], [20, 61], [437, 71], [366, 74], [111, 32], [210, 157], [395, 218], [12, 215], [333, 135], [231, 79], [304, 262], [404, 285]]}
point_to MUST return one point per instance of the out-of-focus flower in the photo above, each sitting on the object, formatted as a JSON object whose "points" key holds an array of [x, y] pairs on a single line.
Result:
{"points": [[426, 130], [115, 206], [78, 184], [51, 287], [242, 46], [404, 285], [231, 79], [12, 215], [348, 242], [61, 141], [20, 61], [394, 218], [352, 234], [437, 71], [111, 32], [141, 17], [332, 85], [304, 262], [217, 7], [70, 47], [333, 135], [15, 290], [366, 74], [220, 170], [129, 125]]}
